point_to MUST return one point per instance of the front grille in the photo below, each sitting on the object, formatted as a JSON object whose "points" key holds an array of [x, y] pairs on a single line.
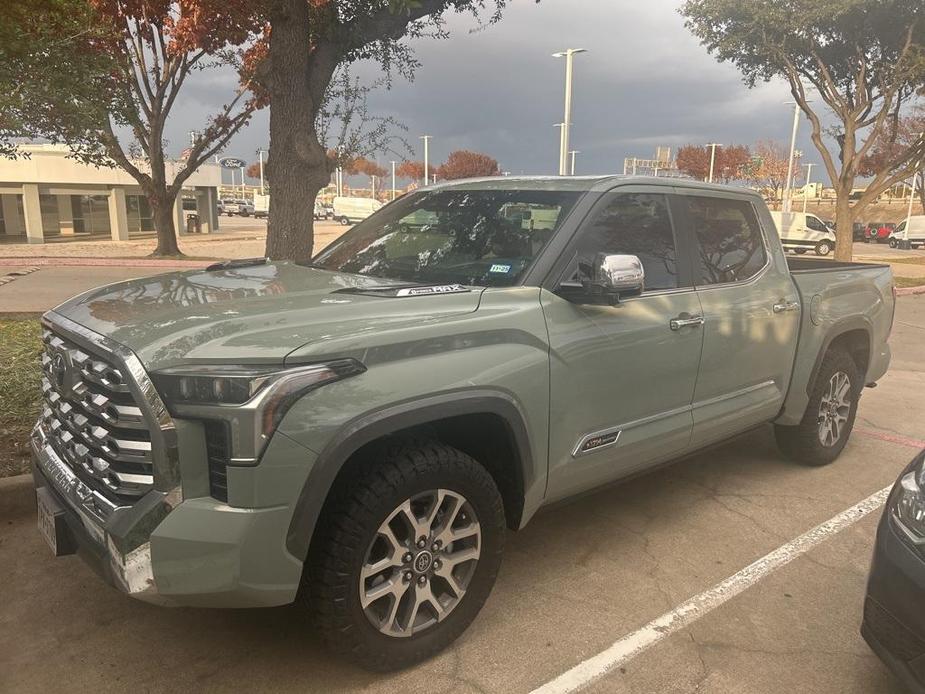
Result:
{"points": [[893, 635], [92, 420]]}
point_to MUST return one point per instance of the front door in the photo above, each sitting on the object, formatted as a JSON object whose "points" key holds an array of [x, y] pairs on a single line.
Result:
{"points": [[621, 377], [751, 311]]}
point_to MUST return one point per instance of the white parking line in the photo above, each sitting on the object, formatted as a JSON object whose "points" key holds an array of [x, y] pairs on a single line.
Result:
{"points": [[696, 607]]}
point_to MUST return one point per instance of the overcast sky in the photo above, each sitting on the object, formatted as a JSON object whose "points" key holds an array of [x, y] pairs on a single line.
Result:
{"points": [[645, 81]]}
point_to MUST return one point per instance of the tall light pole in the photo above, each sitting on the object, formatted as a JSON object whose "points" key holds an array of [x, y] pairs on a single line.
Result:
{"points": [[785, 203], [572, 154], [561, 127], [809, 172], [568, 54], [426, 139], [712, 146], [260, 159], [393, 181]]}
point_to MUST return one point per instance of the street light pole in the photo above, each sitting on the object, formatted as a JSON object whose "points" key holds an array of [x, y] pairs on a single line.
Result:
{"points": [[568, 54], [785, 203], [393, 181], [712, 146], [426, 139], [260, 158], [573, 152], [809, 172]]}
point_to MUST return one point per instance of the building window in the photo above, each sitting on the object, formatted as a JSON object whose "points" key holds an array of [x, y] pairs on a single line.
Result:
{"points": [[48, 204], [91, 214], [139, 213]]}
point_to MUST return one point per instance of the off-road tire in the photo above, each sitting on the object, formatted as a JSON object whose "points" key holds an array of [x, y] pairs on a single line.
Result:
{"points": [[801, 443], [397, 471]]}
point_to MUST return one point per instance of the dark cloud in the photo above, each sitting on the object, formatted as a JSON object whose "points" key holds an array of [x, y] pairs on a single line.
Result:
{"points": [[644, 82]]}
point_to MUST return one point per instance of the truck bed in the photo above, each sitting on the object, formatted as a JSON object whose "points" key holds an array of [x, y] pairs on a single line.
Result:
{"points": [[837, 297]]}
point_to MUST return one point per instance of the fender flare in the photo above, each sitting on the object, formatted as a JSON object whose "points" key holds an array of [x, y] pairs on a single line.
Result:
{"points": [[835, 331], [373, 425]]}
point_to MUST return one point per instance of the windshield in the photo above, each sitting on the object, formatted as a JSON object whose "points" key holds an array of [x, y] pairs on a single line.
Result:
{"points": [[454, 236]]}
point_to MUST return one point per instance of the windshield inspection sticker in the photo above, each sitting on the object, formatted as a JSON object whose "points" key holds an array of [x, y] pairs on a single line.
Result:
{"points": [[500, 268]]}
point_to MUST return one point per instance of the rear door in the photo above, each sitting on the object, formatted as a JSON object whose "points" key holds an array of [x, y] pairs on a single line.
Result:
{"points": [[751, 311], [621, 376]]}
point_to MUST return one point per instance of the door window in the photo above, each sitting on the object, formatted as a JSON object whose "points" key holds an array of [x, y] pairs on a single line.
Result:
{"points": [[815, 224], [632, 224], [728, 242]]}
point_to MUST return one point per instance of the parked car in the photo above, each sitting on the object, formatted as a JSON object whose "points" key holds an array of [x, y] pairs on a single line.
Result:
{"points": [[800, 232], [878, 232], [371, 423], [894, 622], [320, 211], [242, 208], [914, 233], [351, 210]]}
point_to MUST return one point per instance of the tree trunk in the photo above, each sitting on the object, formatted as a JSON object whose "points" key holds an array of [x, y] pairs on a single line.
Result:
{"points": [[162, 212], [844, 224], [298, 164]]}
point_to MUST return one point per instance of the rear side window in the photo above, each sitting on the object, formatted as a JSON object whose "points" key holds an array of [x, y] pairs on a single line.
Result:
{"points": [[728, 243], [632, 224]]}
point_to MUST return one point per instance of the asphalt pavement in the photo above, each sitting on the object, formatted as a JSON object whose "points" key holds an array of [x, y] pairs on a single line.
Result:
{"points": [[579, 579]]}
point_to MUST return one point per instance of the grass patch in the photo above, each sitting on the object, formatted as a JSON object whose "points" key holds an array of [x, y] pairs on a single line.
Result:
{"points": [[908, 260], [20, 390], [909, 281]]}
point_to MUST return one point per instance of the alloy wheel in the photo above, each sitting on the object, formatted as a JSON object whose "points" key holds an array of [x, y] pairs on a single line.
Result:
{"points": [[834, 408], [420, 563]]}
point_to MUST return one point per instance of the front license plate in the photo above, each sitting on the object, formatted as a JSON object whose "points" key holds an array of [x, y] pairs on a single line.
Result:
{"points": [[46, 521]]}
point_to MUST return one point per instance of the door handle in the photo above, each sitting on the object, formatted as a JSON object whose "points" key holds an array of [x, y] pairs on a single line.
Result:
{"points": [[685, 321], [783, 306]]}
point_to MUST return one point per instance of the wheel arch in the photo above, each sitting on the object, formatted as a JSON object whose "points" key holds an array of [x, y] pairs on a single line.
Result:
{"points": [[452, 417], [856, 335]]}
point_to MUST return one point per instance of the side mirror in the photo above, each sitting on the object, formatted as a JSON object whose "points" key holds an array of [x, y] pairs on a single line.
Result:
{"points": [[617, 274]]}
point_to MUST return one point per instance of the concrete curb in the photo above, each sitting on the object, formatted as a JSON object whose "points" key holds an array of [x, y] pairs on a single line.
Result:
{"points": [[16, 497], [906, 291], [108, 262]]}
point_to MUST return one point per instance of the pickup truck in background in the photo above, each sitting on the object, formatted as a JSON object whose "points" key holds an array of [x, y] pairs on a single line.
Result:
{"points": [[360, 431]]}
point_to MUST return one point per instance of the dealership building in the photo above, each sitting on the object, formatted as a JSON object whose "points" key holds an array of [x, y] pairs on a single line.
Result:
{"points": [[46, 195]]}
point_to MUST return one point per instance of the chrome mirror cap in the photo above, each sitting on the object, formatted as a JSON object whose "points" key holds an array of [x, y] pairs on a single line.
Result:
{"points": [[618, 274]]}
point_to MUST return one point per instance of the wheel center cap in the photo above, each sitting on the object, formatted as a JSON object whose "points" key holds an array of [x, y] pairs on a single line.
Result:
{"points": [[423, 561]]}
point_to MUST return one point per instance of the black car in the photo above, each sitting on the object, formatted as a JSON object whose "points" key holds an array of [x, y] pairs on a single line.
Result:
{"points": [[894, 618]]}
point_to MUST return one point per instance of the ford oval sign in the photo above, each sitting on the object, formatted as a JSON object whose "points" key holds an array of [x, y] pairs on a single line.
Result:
{"points": [[231, 162]]}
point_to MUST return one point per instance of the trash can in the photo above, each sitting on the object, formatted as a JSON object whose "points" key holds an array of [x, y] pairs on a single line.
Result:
{"points": [[193, 225]]}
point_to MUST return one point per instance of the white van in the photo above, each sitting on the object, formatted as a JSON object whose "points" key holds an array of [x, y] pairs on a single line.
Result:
{"points": [[261, 205], [800, 232], [915, 234], [351, 210]]}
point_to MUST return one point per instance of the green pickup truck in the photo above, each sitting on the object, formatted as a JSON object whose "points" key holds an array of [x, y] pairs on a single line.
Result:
{"points": [[357, 434]]}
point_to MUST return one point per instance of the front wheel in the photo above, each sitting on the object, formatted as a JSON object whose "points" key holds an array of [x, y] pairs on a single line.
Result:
{"points": [[823, 248], [407, 556], [344, 221], [893, 243], [833, 404]]}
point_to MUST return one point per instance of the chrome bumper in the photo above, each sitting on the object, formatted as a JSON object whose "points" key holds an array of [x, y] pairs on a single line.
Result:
{"points": [[120, 558]]}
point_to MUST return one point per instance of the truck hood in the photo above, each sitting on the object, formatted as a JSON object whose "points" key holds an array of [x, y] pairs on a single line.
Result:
{"points": [[251, 315]]}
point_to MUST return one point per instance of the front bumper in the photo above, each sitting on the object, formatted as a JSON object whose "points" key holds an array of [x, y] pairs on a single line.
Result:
{"points": [[894, 622], [201, 552]]}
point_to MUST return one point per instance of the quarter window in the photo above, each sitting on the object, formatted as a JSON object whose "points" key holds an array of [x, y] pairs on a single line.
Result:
{"points": [[632, 224], [729, 246]]}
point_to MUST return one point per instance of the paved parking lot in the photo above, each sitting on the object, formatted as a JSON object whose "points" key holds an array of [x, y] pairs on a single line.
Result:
{"points": [[580, 578]]}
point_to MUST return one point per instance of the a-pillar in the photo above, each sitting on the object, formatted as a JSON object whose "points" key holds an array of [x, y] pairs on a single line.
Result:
{"points": [[118, 215], [32, 211], [65, 215]]}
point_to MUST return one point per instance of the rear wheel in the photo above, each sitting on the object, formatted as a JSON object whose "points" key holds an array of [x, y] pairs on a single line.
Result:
{"points": [[407, 557], [823, 248], [826, 425], [344, 221]]}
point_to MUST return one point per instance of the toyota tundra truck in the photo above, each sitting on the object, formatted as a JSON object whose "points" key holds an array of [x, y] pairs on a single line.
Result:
{"points": [[358, 433]]}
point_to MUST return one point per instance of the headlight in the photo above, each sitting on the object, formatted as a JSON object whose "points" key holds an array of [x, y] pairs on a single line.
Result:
{"points": [[251, 399], [909, 506]]}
